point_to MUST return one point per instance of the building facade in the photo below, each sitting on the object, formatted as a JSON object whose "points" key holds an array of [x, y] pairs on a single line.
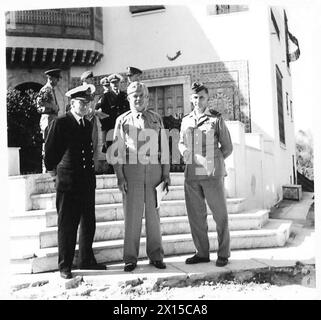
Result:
{"points": [[241, 53]]}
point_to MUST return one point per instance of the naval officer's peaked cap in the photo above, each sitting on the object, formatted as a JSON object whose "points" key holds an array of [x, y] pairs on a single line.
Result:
{"points": [[104, 81], [132, 70], [83, 92], [53, 73], [115, 77], [86, 75]]}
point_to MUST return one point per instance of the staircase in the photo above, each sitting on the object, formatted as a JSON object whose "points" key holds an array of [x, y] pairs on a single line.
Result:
{"points": [[34, 232]]}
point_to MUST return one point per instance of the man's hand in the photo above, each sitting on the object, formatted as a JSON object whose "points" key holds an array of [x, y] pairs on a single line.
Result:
{"points": [[122, 185], [167, 183], [53, 174], [187, 156]]}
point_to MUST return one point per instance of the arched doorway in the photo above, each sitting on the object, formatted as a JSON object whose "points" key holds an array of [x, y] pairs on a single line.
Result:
{"points": [[34, 86]]}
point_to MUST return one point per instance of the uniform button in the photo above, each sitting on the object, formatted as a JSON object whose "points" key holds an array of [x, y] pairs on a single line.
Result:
{"points": [[82, 151], [92, 166], [84, 167], [84, 159]]}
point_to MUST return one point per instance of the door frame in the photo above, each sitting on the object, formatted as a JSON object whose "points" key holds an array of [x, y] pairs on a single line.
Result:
{"points": [[183, 80]]}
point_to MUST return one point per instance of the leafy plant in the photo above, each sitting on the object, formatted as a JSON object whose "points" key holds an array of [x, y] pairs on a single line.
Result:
{"points": [[23, 128]]}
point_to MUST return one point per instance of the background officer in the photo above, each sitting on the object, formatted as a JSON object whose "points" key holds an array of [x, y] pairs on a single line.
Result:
{"points": [[88, 78], [133, 74], [113, 103], [69, 153], [46, 102], [204, 143], [138, 180]]}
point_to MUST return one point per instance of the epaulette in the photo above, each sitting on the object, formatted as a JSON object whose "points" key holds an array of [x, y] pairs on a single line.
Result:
{"points": [[125, 113]]}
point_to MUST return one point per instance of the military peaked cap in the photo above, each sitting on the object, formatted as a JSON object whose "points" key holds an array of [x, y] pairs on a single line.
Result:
{"points": [[114, 77], [132, 70], [197, 87], [53, 73], [82, 92], [86, 75]]}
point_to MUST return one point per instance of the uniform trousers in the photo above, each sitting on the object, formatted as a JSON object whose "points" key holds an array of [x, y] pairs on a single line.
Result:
{"points": [[140, 198], [211, 190], [75, 208]]}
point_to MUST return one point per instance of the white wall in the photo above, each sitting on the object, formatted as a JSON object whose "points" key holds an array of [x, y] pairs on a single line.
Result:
{"points": [[145, 40]]}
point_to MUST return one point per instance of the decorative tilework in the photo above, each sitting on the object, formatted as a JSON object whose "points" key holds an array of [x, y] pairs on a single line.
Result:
{"points": [[227, 82]]}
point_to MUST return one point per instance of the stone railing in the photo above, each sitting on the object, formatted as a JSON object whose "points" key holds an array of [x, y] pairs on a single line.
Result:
{"points": [[78, 23]]}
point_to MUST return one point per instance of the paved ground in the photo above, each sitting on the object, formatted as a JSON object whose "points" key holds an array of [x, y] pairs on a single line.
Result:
{"points": [[300, 247]]}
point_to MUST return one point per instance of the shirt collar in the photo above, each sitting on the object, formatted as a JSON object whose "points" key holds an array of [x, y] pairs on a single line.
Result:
{"points": [[76, 115]]}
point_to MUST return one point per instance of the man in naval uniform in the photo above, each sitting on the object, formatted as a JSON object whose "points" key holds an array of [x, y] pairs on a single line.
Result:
{"points": [[204, 144], [69, 155], [139, 171], [113, 103], [133, 74]]}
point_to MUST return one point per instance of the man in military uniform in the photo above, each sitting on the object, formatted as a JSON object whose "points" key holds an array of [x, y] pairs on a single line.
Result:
{"points": [[113, 103], [133, 74], [47, 103], [204, 144], [139, 171], [69, 156]]}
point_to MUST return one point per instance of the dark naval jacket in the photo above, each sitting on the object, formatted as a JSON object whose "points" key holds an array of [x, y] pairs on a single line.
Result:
{"points": [[69, 151]]}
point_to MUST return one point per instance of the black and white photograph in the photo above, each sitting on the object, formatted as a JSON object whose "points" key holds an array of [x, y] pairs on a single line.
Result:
{"points": [[159, 151]]}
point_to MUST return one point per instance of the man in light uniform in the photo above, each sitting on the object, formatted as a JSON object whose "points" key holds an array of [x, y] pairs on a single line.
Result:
{"points": [[204, 144], [138, 172]]}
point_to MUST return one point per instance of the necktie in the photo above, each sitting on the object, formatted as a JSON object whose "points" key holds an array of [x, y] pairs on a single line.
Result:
{"points": [[81, 122], [54, 94]]}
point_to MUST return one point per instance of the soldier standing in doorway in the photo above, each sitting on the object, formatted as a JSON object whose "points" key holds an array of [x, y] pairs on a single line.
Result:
{"points": [[113, 103]]}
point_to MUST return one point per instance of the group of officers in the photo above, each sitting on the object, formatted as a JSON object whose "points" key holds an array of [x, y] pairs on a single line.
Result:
{"points": [[69, 155]]}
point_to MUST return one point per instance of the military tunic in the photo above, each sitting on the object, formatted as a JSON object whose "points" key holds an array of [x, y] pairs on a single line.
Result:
{"points": [[142, 178], [47, 105], [114, 105], [204, 143], [69, 151]]}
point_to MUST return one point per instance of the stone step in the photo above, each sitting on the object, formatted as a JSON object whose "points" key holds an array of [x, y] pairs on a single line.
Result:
{"points": [[169, 208], [45, 183], [103, 196], [275, 233], [113, 230]]}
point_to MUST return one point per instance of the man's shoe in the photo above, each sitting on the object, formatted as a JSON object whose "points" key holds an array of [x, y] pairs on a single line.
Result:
{"points": [[94, 267], [158, 264], [196, 259], [221, 262], [65, 274], [130, 266]]}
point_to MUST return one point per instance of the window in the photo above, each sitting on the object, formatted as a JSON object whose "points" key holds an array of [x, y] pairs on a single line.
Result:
{"points": [[287, 103], [286, 31], [224, 9], [279, 91], [143, 9], [275, 24], [291, 111]]}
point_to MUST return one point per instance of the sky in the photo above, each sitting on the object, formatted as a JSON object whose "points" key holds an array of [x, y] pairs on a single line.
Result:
{"points": [[304, 23]]}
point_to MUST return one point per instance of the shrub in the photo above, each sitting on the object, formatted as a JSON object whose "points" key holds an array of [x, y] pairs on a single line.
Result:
{"points": [[23, 128]]}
